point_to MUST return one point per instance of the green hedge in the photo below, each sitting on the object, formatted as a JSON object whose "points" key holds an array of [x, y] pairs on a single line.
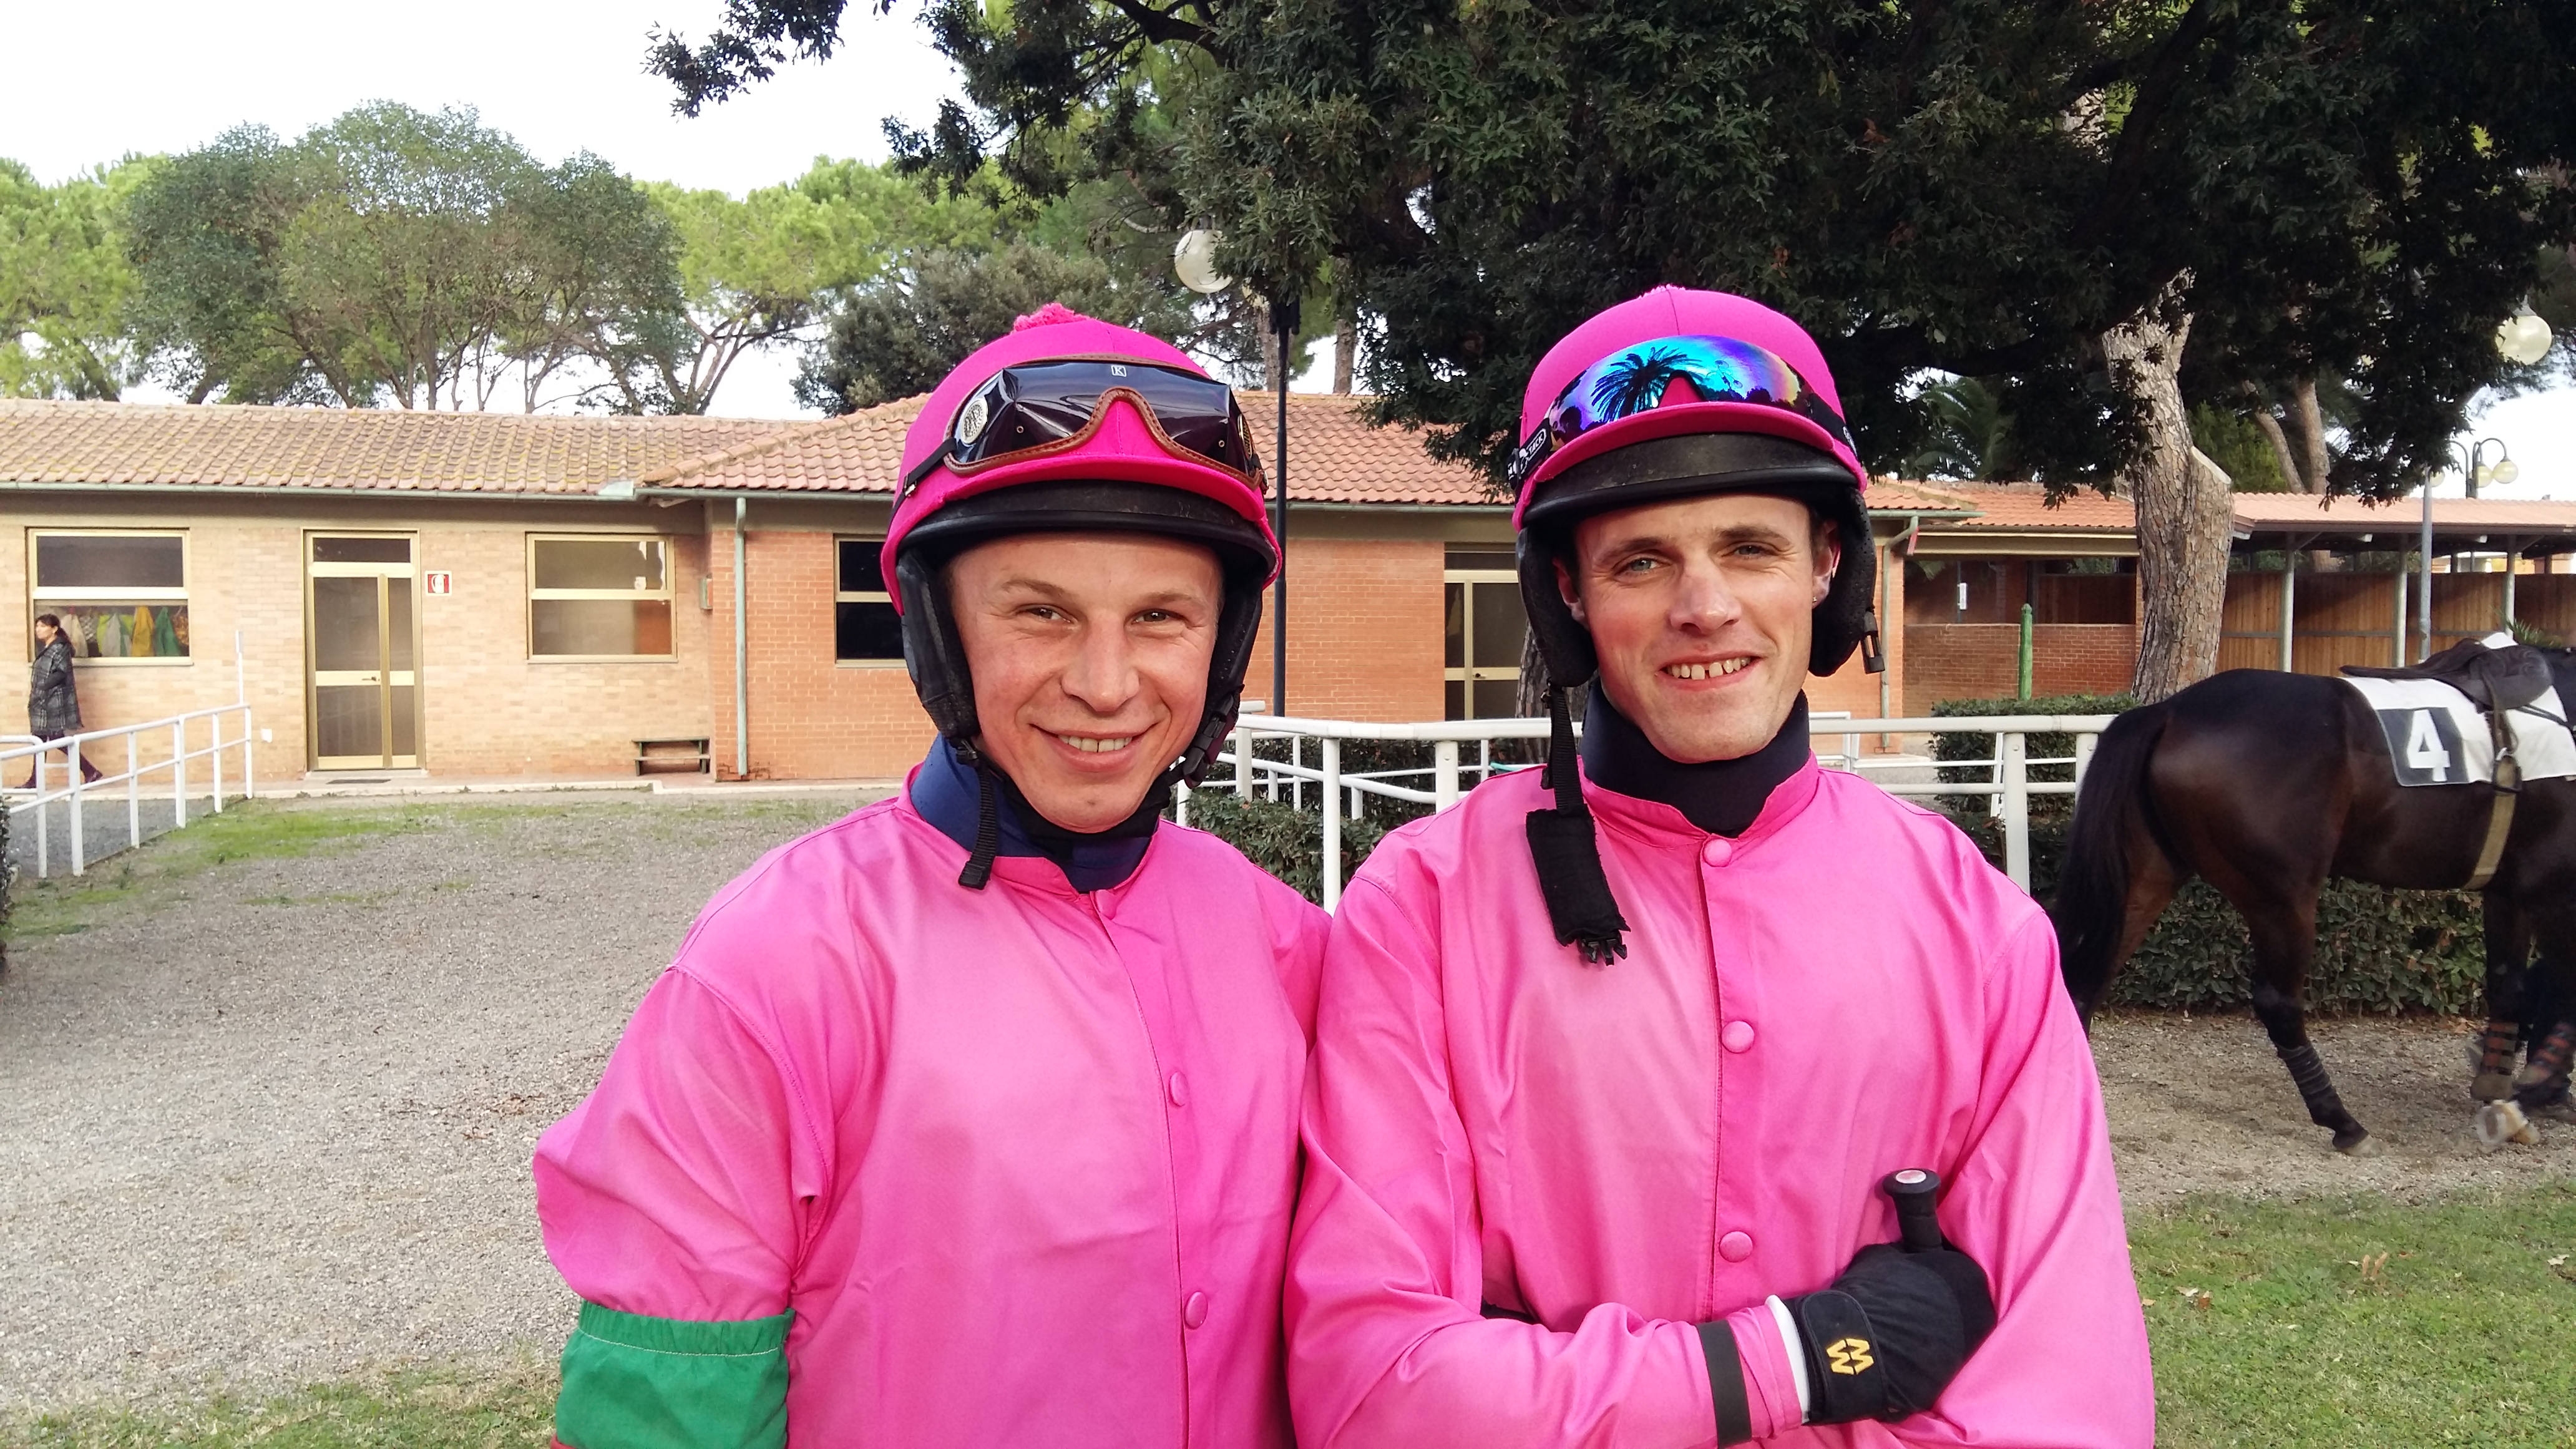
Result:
{"points": [[2378, 950], [1284, 840]]}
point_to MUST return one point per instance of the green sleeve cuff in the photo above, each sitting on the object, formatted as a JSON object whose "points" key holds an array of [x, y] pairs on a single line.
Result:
{"points": [[632, 1382]]}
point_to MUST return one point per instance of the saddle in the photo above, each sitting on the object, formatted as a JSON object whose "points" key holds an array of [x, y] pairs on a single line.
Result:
{"points": [[2498, 676]]}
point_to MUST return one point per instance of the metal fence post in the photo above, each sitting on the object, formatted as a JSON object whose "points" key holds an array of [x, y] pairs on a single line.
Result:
{"points": [[1329, 798], [1444, 779], [2084, 756], [179, 772], [2016, 753], [73, 781], [1180, 802], [43, 817], [133, 796], [1242, 764], [215, 755], [248, 789]]}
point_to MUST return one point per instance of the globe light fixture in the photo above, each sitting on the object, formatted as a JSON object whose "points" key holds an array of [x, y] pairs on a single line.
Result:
{"points": [[1194, 262], [2523, 337]]}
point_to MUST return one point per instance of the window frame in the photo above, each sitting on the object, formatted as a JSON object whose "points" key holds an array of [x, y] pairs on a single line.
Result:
{"points": [[842, 596], [668, 594], [1469, 674], [40, 597]]}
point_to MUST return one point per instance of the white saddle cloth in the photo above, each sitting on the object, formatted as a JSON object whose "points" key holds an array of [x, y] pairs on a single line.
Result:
{"points": [[2436, 737]]}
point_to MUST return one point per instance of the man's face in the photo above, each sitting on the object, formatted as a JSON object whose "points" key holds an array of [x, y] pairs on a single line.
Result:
{"points": [[1090, 655], [1702, 610]]}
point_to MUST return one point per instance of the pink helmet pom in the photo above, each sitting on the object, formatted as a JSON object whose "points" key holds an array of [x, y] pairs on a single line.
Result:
{"points": [[1047, 316]]}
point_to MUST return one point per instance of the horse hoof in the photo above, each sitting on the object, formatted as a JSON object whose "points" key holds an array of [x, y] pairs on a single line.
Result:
{"points": [[2360, 1144], [2503, 1122], [2491, 1087]]}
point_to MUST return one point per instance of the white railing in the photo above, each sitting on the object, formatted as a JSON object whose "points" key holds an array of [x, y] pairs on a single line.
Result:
{"points": [[2006, 775], [24, 755]]}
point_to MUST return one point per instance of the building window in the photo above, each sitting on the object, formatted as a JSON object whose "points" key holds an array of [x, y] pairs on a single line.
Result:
{"points": [[1485, 628], [599, 598], [121, 596], [865, 627]]}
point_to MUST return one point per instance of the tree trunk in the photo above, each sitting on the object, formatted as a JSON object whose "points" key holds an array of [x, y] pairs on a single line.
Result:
{"points": [[2312, 438], [1346, 351], [2184, 515], [2281, 454]]}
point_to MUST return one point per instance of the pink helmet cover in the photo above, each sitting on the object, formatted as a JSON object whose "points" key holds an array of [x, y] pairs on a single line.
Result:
{"points": [[1670, 311], [1123, 449]]}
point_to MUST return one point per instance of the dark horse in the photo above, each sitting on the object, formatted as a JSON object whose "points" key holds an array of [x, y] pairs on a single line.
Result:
{"points": [[2264, 784]]}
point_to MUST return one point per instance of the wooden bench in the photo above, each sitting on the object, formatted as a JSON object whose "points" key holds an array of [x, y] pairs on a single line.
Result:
{"points": [[672, 756]]}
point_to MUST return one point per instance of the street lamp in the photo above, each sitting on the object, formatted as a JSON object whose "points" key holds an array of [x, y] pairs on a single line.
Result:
{"points": [[2523, 337], [1194, 262], [2502, 470]]}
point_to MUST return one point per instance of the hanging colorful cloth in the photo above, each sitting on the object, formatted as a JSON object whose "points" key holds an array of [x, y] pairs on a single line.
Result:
{"points": [[139, 642], [178, 618], [109, 631], [165, 634]]}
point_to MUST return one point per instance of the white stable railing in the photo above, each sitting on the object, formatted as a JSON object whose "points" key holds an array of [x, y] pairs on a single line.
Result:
{"points": [[22, 756], [2006, 775]]}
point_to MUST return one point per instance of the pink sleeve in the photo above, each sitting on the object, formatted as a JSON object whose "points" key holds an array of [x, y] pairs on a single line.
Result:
{"points": [[2033, 1200], [1388, 1344], [672, 1190]]}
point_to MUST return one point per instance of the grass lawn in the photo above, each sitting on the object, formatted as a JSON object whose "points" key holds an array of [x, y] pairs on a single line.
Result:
{"points": [[2273, 1324], [247, 830], [2285, 1325]]}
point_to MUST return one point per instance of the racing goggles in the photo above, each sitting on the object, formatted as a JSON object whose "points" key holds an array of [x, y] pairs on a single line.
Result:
{"points": [[1035, 409], [1632, 380]]}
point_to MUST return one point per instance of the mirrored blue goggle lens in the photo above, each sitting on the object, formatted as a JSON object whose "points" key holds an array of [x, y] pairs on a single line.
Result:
{"points": [[1719, 369]]}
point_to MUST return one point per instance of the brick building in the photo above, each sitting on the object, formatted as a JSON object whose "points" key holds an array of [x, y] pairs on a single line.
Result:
{"points": [[488, 595]]}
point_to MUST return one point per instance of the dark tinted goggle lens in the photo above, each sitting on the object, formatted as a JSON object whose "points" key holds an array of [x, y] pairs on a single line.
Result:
{"points": [[1046, 402]]}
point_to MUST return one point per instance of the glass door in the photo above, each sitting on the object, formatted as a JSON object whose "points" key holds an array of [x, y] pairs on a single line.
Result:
{"points": [[363, 683]]}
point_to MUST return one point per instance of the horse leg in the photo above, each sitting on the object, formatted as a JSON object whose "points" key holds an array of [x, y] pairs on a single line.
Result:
{"points": [[2508, 941], [2285, 937]]}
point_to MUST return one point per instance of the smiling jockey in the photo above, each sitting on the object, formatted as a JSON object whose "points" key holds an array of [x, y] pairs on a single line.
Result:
{"points": [[1611, 1063], [971, 1120]]}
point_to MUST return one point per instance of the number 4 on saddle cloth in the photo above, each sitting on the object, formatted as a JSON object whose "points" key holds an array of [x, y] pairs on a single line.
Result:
{"points": [[2449, 719]]}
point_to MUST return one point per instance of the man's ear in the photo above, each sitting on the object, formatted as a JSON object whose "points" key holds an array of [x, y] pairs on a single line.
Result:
{"points": [[1567, 590], [1829, 557]]}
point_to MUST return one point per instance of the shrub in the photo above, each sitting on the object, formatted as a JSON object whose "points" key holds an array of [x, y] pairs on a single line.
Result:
{"points": [[1282, 839], [1981, 748], [2378, 950]]}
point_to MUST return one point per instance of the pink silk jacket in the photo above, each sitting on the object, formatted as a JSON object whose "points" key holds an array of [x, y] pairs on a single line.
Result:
{"points": [[1021, 1160], [1623, 1151]]}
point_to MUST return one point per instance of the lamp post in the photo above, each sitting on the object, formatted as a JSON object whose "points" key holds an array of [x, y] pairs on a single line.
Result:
{"points": [[2502, 470], [1194, 262]]}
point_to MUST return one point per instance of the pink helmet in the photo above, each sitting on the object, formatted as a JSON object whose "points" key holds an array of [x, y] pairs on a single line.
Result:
{"points": [[1121, 442], [1071, 424]]}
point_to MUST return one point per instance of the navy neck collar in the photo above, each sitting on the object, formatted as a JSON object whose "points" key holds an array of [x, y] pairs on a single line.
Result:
{"points": [[946, 792], [1722, 797]]}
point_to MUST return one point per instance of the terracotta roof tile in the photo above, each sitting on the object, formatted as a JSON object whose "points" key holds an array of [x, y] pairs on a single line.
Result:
{"points": [[2026, 506], [278, 447], [2276, 512]]}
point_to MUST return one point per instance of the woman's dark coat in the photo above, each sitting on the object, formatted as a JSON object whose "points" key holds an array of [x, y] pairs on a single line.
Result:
{"points": [[53, 707]]}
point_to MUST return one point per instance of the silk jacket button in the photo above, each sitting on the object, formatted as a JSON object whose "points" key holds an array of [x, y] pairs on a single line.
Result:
{"points": [[1736, 1247], [1180, 1091], [1738, 1037], [1718, 851], [1194, 1310]]}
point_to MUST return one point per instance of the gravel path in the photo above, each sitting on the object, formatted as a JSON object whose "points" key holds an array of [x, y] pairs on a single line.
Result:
{"points": [[273, 1119], [269, 1120]]}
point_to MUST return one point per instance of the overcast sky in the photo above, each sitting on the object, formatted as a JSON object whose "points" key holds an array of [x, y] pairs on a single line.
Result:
{"points": [[91, 82]]}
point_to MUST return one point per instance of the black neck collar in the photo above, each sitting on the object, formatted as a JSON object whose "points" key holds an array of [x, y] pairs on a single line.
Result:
{"points": [[1722, 797]]}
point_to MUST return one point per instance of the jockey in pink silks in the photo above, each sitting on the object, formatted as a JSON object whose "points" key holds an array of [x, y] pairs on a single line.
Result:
{"points": [[972, 1119], [1622, 1067]]}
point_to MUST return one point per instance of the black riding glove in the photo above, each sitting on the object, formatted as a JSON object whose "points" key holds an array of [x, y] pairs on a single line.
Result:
{"points": [[1892, 1331]]}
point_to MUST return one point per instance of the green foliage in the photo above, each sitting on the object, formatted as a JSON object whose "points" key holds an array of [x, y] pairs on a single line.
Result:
{"points": [[1962, 433], [2448, 1336], [64, 281], [899, 333], [2378, 950], [2236, 443], [389, 256], [1282, 839]]}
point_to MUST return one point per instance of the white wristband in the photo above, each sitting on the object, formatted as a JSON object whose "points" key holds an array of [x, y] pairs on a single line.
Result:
{"points": [[1796, 1348]]}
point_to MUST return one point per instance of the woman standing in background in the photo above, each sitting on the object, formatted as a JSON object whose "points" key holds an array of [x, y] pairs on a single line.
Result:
{"points": [[53, 701]]}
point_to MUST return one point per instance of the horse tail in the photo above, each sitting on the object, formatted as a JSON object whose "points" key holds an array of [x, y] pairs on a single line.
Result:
{"points": [[2091, 909]]}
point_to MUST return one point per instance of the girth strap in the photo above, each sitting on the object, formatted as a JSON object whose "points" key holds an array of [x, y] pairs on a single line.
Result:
{"points": [[2508, 789]]}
